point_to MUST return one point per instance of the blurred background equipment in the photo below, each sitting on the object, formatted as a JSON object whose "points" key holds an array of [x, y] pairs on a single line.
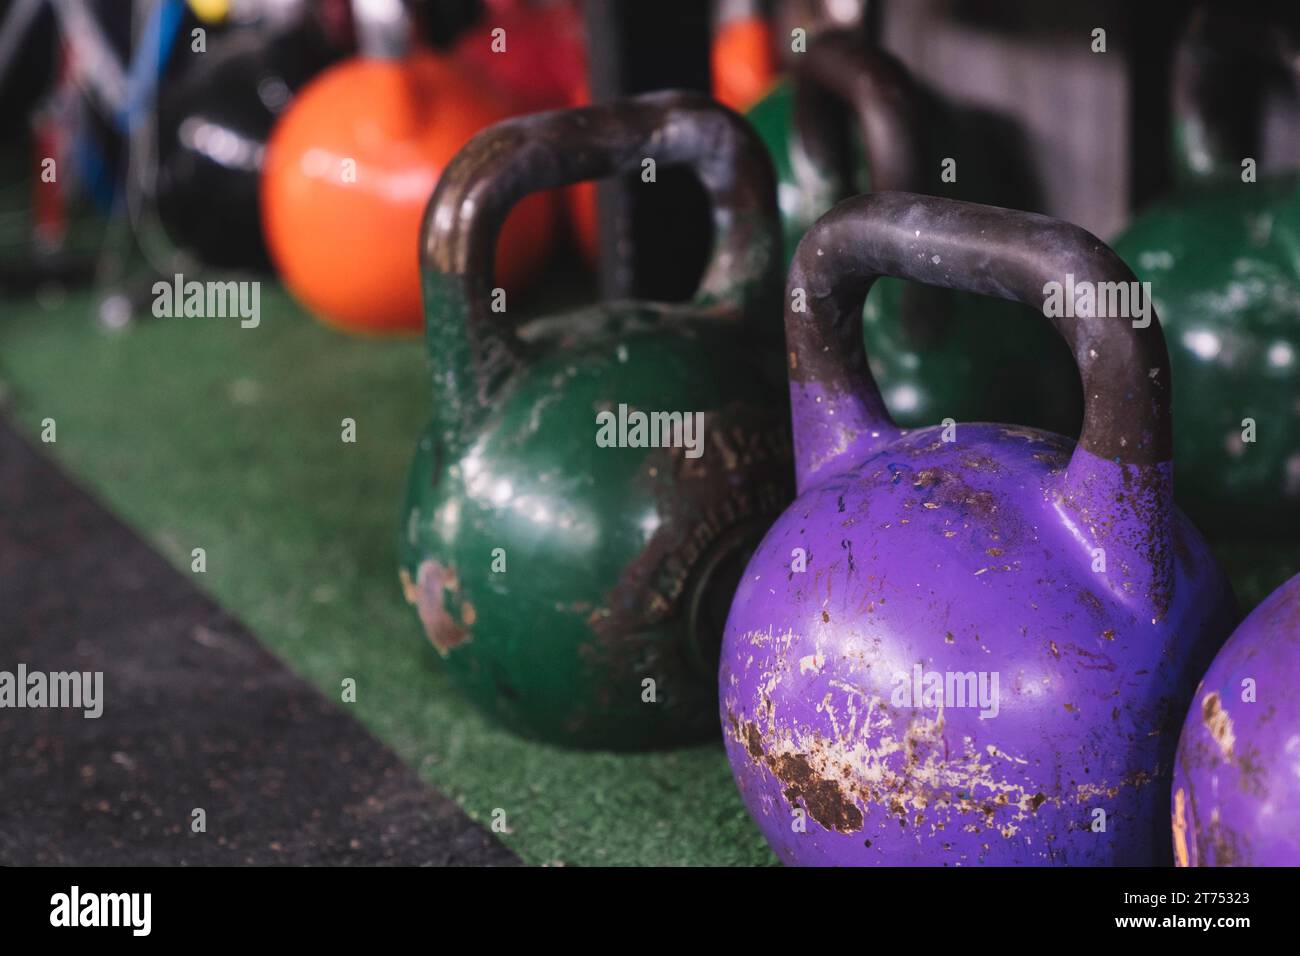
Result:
{"points": [[533, 54], [152, 126], [653, 243], [213, 124], [1221, 255], [350, 168], [742, 56], [849, 118], [1236, 90], [28, 43]]}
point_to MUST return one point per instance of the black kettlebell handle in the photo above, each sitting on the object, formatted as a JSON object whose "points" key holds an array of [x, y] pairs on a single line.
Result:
{"points": [[506, 162], [840, 68], [987, 250], [1225, 61]]}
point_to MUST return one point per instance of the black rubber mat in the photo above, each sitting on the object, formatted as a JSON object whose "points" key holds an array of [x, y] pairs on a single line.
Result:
{"points": [[197, 714]]}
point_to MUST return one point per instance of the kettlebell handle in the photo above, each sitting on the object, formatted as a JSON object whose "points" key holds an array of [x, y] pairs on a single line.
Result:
{"points": [[987, 250], [882, 97], [1117, 489], [1216, 103], [840, 67], [473, 350]]}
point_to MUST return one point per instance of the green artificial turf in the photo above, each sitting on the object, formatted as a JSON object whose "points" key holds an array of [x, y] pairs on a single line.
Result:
{"points": [[201, 434]]}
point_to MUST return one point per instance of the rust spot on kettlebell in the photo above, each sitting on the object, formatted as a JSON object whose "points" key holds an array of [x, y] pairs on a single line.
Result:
{"points": [[948, 489], [426, 594], [823, 799], [1219, 724]]}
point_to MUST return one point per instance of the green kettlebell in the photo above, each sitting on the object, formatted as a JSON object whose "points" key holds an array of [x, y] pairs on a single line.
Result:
{"points": [[936, 354], [1222, 256], [591, 485]]}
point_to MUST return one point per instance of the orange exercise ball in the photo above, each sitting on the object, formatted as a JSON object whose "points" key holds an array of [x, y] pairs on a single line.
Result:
{"points": [[348, 171], [743, 62]]}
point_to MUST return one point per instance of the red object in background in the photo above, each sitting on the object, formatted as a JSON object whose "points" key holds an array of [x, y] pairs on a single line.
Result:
{"points": [[334, 17], [349, 170], [52, 125], [544, 66], [49, 202], [581, 202], [744, 68], [743, 62], [544, 63]]}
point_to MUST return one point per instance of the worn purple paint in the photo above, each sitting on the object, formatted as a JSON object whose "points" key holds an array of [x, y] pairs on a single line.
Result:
{"points": [[1236, 794], [975, 555]]}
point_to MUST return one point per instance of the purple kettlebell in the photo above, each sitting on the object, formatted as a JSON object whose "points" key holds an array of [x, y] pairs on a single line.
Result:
{"points": [[1236, 796], [970, 643]]}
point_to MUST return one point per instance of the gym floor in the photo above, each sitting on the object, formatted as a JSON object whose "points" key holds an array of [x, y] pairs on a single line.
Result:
{"points": [[178, 434]]}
